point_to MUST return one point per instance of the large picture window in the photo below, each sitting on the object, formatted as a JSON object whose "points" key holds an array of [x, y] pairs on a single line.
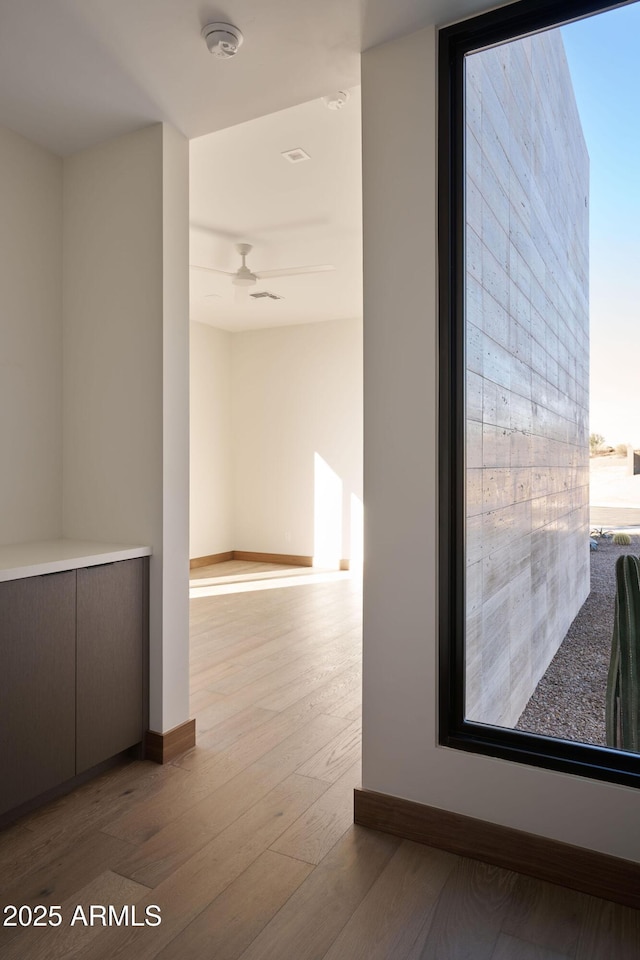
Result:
{"points": [[539, 431]]}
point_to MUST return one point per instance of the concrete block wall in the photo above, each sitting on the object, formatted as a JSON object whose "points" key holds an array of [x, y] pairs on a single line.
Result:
{"points": [[527, 378]]}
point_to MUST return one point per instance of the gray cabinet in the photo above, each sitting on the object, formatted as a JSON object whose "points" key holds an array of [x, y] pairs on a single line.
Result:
{"points": [[37, 685], [109, 661], [73, 649]]}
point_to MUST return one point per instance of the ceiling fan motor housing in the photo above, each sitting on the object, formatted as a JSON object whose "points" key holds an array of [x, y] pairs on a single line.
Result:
{"points": [[223, 39], [244, 277]]}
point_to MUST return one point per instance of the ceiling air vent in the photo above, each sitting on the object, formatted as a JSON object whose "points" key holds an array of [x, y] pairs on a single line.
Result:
{"points": [[297, 155], [261, 294]]}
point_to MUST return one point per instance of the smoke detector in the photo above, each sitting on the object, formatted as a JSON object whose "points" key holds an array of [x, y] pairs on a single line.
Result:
{"points": [[223, 40], [336, 101]]}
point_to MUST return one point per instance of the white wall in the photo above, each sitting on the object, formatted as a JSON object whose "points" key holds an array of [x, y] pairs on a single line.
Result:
{"points": [[296, 392], [169, 704], [30, 341], [400, 752], [211, 502], [125, 349]]}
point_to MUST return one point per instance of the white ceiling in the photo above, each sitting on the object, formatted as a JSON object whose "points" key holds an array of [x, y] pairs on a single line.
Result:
{"points": [[243, 189], [76, 72]]}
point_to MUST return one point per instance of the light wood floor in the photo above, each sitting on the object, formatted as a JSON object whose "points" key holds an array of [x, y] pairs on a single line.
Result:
{"points": [[247, 842]]}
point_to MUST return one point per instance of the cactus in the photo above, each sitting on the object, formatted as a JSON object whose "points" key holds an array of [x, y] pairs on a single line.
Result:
{"points": [[623, 683], [622, 539]]}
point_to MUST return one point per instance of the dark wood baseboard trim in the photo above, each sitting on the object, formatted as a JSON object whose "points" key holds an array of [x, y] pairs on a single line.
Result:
{"points": [[289, 559], [163, 747], [597, 874], [292, 560], [212, 558]]}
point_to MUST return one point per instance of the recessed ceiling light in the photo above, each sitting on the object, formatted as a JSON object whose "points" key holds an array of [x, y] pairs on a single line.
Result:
{"points": [[297, 155]]}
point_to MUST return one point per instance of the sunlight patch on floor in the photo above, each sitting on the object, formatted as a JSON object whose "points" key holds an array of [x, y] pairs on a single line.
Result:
{"points": [[214, 588]]}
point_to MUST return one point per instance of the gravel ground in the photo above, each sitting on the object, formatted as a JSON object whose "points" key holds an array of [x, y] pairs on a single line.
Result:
{"points": [[569, 701]]}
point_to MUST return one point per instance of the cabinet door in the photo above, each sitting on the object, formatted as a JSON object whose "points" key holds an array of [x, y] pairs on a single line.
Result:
{"points": [[110, 645], [37, 685]]}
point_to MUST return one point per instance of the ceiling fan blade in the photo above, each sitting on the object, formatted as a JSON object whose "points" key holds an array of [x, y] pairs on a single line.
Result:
{"points": [[225, 273], [294, 271]]}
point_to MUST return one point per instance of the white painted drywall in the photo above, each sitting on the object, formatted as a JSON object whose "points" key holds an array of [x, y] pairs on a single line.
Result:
{"points": [[296, 392], [211, 499], [125, 354], [400, 752], [170, 707], [30, 341]]}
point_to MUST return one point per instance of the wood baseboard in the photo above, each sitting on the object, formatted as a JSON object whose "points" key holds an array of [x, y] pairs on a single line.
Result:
{"points": [[588, 871], [291, 560], [288, 559], [163, 747], [212, 558]]}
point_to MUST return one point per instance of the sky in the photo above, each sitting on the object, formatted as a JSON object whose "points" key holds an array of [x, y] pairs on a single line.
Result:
{"points": [[604, 60]]}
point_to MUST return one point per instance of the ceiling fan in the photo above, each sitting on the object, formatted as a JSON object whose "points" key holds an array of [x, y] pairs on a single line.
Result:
{"points": [[243, 278]]}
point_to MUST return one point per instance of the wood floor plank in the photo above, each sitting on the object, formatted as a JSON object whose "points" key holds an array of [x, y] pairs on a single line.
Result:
{"points": [[609, 931], [108, 796], [280, 646], [209, 675], [258, 744], [470, 912], [324, 696], [153, 861], [66, 941], [18, 848], [272, 646], [64, 875], [182, 790], [333, 760], [545, 914], [240, 675], [236, 917], [307, 681], [225, 732], [320, 699], [313, 917], [513, 948], [305, 638], [349, 705], [315, 832], [201, 699], [398, 907], [285, 687], [220, 709], [197, 883]]}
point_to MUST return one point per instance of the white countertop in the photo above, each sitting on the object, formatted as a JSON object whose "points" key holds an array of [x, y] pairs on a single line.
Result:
{"points": [[20, 560]]}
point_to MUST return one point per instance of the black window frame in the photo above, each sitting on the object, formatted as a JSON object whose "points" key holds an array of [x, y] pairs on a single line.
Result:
{"points": [[599, 763]]}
